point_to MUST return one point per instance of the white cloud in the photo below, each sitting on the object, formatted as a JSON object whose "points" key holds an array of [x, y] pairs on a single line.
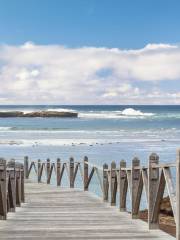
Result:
{"points": [[33, 73]]}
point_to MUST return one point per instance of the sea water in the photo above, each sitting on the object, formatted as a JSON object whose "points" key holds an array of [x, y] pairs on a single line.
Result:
{"points": [[103, 133]]}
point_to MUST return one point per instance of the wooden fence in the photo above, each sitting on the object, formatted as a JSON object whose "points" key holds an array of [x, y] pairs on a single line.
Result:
{"points": [[122, 179], [11, 186], [112, 179]]}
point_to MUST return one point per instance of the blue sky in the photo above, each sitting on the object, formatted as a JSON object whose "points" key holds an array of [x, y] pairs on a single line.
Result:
{"points": [[75, 23], [89, 52]]}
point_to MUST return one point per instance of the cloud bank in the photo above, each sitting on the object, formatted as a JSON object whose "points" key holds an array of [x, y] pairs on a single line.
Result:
{"points": [[54, 74]]}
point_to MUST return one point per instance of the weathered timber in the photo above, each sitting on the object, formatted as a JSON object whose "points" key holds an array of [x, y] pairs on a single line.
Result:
{"points": [[71, 172], [136, 187], [153, 181], [58, 171], [113, 184], [178, 195], [3, 183], [71, 214], [123, 184], [105, 183], [86, 176]]}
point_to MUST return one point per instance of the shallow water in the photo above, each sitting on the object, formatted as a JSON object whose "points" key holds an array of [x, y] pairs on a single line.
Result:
{"points": [[103, 133]]}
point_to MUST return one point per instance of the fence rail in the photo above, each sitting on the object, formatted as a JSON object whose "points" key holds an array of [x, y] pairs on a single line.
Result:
{"points": [[122, 179], [11, 187]]}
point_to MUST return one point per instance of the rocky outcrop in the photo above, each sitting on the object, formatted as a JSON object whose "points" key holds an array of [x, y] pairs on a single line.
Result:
{"points": [[44, 114], [166, 219]]}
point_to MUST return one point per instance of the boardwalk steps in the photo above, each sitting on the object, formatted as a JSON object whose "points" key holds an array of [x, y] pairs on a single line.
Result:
{"points": [[54, 212], [61, 213]]}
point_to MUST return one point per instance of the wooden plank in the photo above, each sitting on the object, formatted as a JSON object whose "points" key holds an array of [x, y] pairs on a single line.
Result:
{"points": [[158, 199], [153, 180], [178, 195], [3, 187], [11, 184], [48, 167], [123, 185], [50, 174], [86, 174], [89, 178], [135, 179], [105, 183], [71, 172], [170, 188], [113, 184], [75, 172], [58, 171], [138, 195], [69, 214], [26, 167]]}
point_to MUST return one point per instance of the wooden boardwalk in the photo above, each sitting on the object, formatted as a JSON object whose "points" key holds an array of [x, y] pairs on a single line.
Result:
{"points": [[51, 212]]}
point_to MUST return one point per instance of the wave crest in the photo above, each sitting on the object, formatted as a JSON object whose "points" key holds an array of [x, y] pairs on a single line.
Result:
{"points": [[133, 112]]}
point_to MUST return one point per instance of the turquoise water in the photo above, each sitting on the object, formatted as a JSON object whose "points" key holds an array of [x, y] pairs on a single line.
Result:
{"points": [[103, 133]]}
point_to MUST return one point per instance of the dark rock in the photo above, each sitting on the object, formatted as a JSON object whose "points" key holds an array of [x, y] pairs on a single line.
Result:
{"points": [[46, 114], [11, 114]]}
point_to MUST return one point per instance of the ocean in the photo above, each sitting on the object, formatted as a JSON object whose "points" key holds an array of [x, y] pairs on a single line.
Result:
{"points": [[103, 133]]}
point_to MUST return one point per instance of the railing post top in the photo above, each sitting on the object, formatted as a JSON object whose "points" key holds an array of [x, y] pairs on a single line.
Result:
{"points": [[153, 158], [2, 161], [135, 161], [122, 163], [113, 164], [39, 160], [11, 163], [26, 157], [71, 159], [85, 159], [58, 159], [105, 166], [48, 160]]}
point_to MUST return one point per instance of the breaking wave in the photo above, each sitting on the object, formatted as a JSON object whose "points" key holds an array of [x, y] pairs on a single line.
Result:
{"points": [[126, 113]]}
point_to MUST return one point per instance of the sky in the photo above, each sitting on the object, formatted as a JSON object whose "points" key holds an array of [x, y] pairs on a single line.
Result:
{"points": [[89, 52]]}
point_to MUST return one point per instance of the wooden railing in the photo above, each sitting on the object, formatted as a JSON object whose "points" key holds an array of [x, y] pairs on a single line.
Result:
{"points": [[11, 187], [122, 180]]}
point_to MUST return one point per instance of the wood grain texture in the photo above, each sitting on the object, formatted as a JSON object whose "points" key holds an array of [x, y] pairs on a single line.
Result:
{"points": [[59, 213]]}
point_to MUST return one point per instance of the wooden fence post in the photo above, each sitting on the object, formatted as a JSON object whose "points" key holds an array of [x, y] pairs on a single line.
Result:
{"points": [[3, 199], [153, 180], [105, 183], [113, 183], [86, 176], [58, 171], [22, 184], [71, 172], [39, 170], [18, 184], [48, 166], [11, 185], [135, 178], [123, 184], [178, 195], [26, 167]]}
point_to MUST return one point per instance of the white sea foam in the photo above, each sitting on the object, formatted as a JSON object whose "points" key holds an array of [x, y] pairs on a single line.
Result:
{"points": [[133, 112], [61, 110], [5, 128], [126, 113]]}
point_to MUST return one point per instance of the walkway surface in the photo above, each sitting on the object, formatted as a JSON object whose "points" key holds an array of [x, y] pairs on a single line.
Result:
{"points": [[53, 213]]}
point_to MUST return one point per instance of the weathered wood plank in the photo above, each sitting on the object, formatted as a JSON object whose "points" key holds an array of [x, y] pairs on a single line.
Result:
{"points": [[60, 213]]}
